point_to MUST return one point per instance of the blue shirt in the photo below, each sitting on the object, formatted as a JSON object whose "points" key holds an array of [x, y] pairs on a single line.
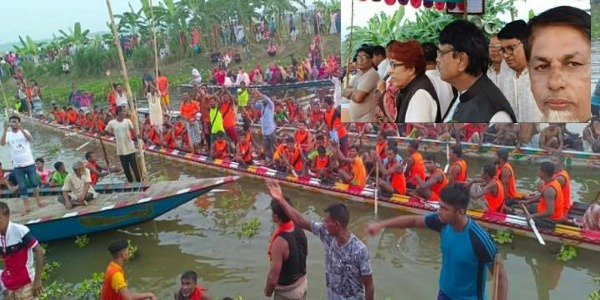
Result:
{"points": [[267, 119], [465, 257]]}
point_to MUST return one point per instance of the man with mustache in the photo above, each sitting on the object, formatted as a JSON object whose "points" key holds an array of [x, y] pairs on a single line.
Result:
{"points": [[558, 51]]}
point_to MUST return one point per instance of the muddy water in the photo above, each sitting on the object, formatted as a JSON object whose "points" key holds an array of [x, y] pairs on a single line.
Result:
{"points": [[201, 235]]}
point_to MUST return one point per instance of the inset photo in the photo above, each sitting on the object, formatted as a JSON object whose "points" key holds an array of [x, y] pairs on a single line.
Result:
{"points": [[472, 61]]}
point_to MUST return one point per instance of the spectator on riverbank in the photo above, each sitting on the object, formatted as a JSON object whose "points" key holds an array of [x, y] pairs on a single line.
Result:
{"points": [[190, 289], [114, 285], [18, 247]]}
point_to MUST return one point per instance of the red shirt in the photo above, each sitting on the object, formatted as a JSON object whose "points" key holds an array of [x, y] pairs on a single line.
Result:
{"points": [[17, 250]]}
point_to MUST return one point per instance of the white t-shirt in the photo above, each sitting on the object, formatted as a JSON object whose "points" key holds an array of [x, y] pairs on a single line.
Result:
{"points": [[20, 149], [382, 68], [121, 99], [422, 108], [442, 88], [74, 185], [121, 132]]}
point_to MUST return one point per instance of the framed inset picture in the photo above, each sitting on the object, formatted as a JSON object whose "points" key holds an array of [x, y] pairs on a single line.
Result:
{"points": [[474, 7]]}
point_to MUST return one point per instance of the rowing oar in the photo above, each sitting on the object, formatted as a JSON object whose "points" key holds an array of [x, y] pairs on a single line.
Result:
{"points": [[496, 276], [447, 167], [289, 165], [105, 158], [376, 185], [81, 147], [532, 224]]}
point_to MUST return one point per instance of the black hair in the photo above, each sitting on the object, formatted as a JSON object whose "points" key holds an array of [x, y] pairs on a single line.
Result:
{"points": [[384, 135], [339, 212], [502, 154], [120, 109], [430, 156], [547, 168], [393, 149], [220, 134], [465, 37], [289, 139], [455, 194], [278, 209], [321, 149], [489, 170], [4, 209], [39, 159], [366, 49], [457, 150], [14, 117], [320, 138], [58, 164], [190, 275], [389, 43], [116, 246], [378, 50], [328, 100], [414, 144], [430, 51], [88, 155], [355, 148], [513, 30], [561, 15]]}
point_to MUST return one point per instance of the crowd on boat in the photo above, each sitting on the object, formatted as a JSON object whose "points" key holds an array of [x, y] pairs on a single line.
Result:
{"points": [[527, 72]]}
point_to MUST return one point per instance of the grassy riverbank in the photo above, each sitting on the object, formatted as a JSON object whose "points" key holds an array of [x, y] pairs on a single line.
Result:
{"points": [[57, 87]]}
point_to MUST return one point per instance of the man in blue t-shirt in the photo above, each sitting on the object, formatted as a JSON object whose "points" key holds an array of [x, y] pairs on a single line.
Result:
{"points": [[467, 249]]}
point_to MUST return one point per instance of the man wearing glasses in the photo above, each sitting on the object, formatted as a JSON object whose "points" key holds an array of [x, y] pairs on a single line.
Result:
{"points": [[515, 82], [498, 65], [463, 62], [360, 91], [558, 51]]}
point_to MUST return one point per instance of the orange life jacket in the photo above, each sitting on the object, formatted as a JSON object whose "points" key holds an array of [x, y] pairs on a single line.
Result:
{"points": [[559, 204], [301, 138], [397, 179], [417, 169], [566, 190], [462, 175], [380, 148], [72, 116], [245, 150], [321, 163], [495, 203], [512, 190], [359, 172], [335, 124], [438, 186], [221, 149]]}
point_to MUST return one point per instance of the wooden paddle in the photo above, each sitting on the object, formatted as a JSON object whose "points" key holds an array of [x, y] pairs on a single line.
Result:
{"points": [[447, 167], [532, 224], [376, 185]]}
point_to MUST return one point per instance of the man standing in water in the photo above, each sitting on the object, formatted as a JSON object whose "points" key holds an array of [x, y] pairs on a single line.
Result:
{"points": [[120, 128], [467, 249], [348, 273], [18, 247], [19, 140], [115, 285]]}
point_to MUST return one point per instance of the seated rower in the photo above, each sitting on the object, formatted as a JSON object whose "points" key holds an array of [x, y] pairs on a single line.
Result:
{"points": [[591, 217], [77, 189], [415, 168], [491, 188], [321, 165], [381, 145], [71, 115], [59, 175], [550, 199], [392, 176], [89, 122], [551, 137], [96, 171], [243, 153], [564, 179], [81, 120], [289, 155], [303, 137], [430, 188], [169, 136], [180, 134], [59, 114], [220, 147], [458, 169], [505, 173], [357, 175], [99, 124]]}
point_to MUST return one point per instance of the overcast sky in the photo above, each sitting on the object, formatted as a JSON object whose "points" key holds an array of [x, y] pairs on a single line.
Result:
{"points": [[40, 19], [363, 11]]}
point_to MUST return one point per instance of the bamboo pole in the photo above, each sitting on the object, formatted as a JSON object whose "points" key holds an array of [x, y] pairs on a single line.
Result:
{"points": [[349, 45], [142, 165], [5, 100], [154, 40]]}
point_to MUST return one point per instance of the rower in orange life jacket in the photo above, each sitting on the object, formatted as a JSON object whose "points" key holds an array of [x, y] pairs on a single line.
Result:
{"points": [[416, 167], [244, 149], [322, 164], [551, 204], [303, 137], [333, 119], [562, 176], [492, 189], [289, 154], [506, 175], [357, 175], [393, 179], [220, 148], [431, 188], [458, 170], [382, 144]]}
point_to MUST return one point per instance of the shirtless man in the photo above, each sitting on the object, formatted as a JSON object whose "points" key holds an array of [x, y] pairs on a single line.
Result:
{"points": [[551, 137], [507, 135], [392, 179], [357, 174], [430, 188], [591, 135]]}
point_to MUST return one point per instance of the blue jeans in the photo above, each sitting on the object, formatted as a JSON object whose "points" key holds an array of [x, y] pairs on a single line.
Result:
{"points": [[20, 173], [442, 296]]}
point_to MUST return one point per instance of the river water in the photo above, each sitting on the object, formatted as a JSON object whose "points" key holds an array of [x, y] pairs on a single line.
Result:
{"points": [[201, 236]]}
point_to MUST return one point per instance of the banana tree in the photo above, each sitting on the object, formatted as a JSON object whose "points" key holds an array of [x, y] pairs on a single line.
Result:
{"points": [[28, 46], [130, 22], [75, 36]]}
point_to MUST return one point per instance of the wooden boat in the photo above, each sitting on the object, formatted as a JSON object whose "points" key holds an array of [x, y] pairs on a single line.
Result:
{"points": [[117, 205], [262, 88], [558, 233]]}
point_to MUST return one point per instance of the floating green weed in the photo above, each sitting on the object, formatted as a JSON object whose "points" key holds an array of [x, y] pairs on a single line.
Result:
{"points": [[82, 241], [249, 228], [502, 236], [133, 249], [566, 253]]}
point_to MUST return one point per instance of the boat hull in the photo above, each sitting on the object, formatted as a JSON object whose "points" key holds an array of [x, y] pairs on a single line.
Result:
{"points": [[285, 86], [568, 234]]}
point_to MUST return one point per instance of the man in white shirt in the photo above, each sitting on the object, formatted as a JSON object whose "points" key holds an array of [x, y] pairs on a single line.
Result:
{"points": [[120, 128], [18, 140], [442, 88], [380, 60], [498, 65], [515, 84], [558, 51], [78, 189]]}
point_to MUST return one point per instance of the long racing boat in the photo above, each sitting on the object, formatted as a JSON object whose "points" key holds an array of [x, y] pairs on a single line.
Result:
{"points": [[266, 87], [562, 233]]}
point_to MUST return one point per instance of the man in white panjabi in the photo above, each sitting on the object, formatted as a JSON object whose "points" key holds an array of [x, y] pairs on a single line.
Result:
{"points": [[515, 84], [497, 65], [363, 105], [380, 60]]}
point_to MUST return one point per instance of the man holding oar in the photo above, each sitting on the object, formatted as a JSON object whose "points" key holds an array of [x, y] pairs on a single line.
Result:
{"points": [[348, 273], [467, 249], [550, 199]]}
